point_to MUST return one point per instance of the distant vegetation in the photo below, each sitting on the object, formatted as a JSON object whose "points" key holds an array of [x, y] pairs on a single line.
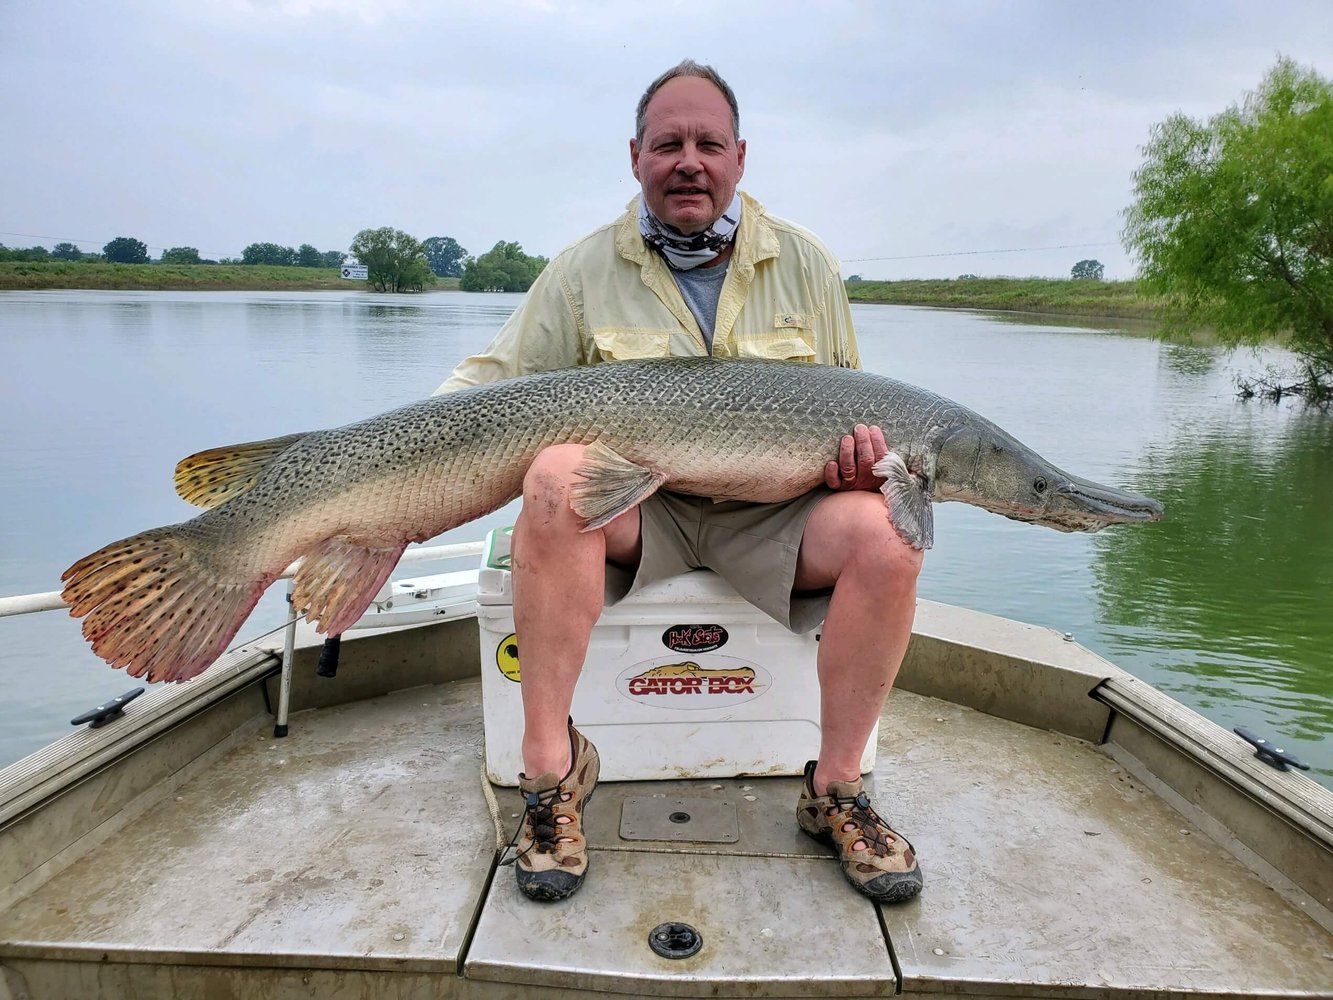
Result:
{"points": [[1086, 297], [237, 277], [128, 250], [502, 268], [1088, 270], [444, 256], [271, 253], [125, 250], [395, 261], [1050, 295]]}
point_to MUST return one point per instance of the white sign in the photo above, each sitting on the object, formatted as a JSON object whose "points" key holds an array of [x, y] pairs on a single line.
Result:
{"points": [[356, 272]]}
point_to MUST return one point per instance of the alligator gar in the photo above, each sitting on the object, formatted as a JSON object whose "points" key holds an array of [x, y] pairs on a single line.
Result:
{"points": [[164, 603]]}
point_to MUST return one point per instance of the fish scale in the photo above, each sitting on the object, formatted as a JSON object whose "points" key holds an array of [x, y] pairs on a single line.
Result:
{"points": [[166, 602]]}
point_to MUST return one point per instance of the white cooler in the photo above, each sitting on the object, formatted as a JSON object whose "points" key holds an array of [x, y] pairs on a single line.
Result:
{"points": [[684, 679]]}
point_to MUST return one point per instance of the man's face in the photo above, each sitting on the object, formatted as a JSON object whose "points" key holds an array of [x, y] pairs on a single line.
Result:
{"points": [[689, 161]]}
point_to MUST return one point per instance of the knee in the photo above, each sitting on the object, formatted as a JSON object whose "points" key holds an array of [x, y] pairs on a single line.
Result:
{"points": [[552, 472], [882, 551]]}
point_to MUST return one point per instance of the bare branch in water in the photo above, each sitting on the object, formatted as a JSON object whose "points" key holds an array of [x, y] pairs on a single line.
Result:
{"points": [[1311, 381]]}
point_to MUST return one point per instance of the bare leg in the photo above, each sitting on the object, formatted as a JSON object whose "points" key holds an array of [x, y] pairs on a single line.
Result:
{"points": [[559, 575], [851, 546]]}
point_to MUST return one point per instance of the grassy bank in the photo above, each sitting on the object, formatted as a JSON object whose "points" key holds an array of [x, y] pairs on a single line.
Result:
{"points": [[199, 277], [1044, 295]]}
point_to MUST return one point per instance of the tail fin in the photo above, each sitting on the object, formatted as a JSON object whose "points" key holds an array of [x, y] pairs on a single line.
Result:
{"points": [[153, 605]]}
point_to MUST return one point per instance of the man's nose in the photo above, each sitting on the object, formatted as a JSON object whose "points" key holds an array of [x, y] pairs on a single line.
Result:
{"points": [[689, 161]]}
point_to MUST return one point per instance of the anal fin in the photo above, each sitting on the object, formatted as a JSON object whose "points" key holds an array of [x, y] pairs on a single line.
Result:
{"points": [[611, 485], [207, 478], [339, 577], [909, 506]]}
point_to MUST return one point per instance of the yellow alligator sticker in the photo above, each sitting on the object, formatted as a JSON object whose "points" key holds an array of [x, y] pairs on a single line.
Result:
{"points": [[506, 656]]}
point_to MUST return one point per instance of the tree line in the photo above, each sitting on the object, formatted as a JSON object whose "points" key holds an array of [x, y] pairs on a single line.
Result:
{"points": [[128, 250], [395, 261]]}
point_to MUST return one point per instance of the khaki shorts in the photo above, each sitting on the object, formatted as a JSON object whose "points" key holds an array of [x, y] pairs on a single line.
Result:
{"points": [[752, 546]]}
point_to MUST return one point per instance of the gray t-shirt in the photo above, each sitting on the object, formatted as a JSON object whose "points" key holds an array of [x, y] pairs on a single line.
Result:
{"points": [[701, 287]]}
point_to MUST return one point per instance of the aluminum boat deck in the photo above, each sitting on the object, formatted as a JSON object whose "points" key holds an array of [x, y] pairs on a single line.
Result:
{"points": [[356, 858]]}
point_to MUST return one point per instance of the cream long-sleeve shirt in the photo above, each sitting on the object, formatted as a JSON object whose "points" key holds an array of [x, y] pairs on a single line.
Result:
{"points": [[608, 297]]}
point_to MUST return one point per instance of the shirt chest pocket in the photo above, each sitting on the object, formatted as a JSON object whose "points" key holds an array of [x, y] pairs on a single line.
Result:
{"points": [[791, 338], [624, 343]]}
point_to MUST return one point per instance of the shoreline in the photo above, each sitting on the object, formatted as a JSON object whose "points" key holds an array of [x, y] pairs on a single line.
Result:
{"points": [[20, 276], [1051, 296], [1118, 300]]}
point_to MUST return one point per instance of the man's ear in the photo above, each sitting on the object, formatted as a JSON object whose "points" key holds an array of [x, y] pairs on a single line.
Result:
{"points": [[740, 157], [634, 158]]}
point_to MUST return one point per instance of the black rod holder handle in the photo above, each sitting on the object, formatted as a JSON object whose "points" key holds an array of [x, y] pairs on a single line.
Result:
{"points": [[328, 656]]}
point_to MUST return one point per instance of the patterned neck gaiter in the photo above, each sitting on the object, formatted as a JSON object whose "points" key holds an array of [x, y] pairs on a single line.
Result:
{"points": [[687, 252]]}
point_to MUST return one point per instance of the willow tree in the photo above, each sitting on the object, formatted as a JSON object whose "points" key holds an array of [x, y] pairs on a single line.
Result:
{"points": [[395, 261], [1232, 220]]}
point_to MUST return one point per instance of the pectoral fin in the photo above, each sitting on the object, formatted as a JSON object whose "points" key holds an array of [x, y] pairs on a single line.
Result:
{"points": [[338, 579], [207, 478], [909, 507], [611, 485]]}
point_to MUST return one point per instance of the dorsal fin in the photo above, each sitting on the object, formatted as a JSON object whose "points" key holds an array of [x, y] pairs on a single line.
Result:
{"points": [[207, 478]]}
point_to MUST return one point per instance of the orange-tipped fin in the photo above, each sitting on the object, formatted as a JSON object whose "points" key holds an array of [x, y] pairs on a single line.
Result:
{"points": [[151, 603], [207, 478], [338, 579]]}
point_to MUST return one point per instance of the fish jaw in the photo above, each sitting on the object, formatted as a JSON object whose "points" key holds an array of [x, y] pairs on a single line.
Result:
{"points": [[981, 465], [1083, 505]]}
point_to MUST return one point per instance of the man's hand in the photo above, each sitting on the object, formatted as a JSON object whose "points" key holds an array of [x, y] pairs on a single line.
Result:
{"points": [[857, 454]]}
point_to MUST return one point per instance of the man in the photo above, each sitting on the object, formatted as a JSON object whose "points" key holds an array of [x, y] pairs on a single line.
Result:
{"points": [[694, 268]]}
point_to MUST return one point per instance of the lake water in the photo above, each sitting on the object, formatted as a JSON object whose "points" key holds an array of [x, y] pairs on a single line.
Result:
{"points": [[1224, 604]]}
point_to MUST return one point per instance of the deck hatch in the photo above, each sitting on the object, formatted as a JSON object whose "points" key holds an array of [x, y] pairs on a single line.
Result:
{"points": [[698, 821], [771, 927]]}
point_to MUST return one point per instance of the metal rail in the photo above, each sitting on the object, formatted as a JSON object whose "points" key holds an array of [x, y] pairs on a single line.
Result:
{"points": [[27, 604]]}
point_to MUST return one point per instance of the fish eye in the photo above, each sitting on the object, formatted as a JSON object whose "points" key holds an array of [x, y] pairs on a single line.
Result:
{"points": [[1039, 485]]}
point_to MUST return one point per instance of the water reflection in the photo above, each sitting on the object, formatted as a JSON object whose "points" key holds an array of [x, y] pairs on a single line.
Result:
{"points": [[1234, 587], [1186, 359], [1105, 324]]}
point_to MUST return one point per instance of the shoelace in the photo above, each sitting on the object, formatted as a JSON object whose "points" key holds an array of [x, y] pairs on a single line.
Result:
{"points": [[870, 825], [538, 805]]}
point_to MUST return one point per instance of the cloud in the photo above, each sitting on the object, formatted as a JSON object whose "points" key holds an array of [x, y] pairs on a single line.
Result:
{"points": [[889, 129]]}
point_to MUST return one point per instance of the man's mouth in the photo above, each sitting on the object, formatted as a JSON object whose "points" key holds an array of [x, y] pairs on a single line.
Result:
{"points": [[686, 191]]}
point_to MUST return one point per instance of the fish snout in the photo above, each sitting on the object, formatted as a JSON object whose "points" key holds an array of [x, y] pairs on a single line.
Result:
{"points": [[1082, 505]]}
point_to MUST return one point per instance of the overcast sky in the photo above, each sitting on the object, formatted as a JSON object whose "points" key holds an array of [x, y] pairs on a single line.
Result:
{"points": [[892, 130]]}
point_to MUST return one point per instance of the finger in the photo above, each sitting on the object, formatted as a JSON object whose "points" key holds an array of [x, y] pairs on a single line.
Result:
{"points": [[847, 457], [865, 453], [832, 475], [878, 444]]}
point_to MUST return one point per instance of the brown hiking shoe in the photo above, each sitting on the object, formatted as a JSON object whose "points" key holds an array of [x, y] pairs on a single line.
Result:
{"points": [[877, 861], [552, 853]]}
